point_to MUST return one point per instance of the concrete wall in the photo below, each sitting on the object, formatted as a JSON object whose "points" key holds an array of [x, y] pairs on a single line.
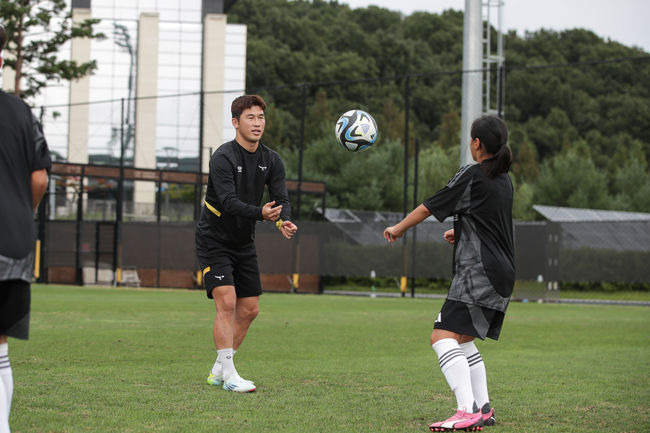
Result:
{"points": [[145, 111], [79, 94]]}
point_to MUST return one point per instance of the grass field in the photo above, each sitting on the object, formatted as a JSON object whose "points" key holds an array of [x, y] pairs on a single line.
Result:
{"points": [[127, 360]]}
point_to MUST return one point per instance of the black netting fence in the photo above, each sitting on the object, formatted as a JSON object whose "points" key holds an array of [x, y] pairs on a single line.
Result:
{"points": [[615, 251], [162, 254], [112, 215]]}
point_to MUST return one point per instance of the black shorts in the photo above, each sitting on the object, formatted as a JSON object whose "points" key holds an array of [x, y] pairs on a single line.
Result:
{"points": [[232, 266], [470, 320], [15, 298]]}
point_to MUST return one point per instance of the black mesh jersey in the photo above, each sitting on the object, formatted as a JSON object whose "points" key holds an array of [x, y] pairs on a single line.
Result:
{"points": [[23, 150], [483, 265], [234, 195]]}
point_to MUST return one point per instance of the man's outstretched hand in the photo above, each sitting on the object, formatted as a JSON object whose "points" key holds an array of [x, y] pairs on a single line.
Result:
{"points": [[288, 229]]}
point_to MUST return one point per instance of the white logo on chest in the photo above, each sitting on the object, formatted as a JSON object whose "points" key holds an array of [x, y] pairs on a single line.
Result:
{"points": [[262, 168], [239, 169]]}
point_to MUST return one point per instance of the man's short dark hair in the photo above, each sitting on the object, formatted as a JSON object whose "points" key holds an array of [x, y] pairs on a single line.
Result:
{"points": [[3, 37], [246, 101]]}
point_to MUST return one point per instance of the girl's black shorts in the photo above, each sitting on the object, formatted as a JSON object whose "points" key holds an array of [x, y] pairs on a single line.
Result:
{"points": [[15, 299], [473, 320]]}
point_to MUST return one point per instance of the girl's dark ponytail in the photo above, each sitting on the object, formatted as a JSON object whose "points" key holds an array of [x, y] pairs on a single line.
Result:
{"points": [[500, 163], [492, 132]]}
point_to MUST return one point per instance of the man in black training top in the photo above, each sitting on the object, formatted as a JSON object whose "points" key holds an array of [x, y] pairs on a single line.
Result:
{"points": [[24, 161], [225, 233]]}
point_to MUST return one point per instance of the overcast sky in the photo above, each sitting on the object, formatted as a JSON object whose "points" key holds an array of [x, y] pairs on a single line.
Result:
{"points": [[624, 21]]}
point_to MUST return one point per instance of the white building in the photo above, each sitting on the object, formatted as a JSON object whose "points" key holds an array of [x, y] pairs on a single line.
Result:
{"points": [[157, 58]]}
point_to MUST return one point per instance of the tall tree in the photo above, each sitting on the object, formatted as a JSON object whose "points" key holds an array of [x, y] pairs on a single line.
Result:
{"points": [[36, 31], [449, 129], [525, 163], [571, 179], [361, 61], [391, 120]]}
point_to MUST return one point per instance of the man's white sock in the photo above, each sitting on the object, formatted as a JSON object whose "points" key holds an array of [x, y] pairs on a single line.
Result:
{"points": [[6, 387], [477, 373], [224, 357], [217, 368], [455, 368]]}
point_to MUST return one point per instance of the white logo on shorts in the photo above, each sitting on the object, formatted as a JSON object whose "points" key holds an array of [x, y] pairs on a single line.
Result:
{"points": [[219, 277], [439, 318]]}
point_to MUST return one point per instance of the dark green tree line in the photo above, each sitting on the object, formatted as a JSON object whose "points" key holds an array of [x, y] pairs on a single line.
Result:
{"points": [[577, 129]]}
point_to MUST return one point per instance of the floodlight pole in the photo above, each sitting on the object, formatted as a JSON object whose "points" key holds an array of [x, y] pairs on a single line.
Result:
{"points": [[471, 105]]}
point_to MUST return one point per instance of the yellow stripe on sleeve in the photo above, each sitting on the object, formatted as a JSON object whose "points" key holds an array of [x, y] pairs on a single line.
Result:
{"points": [[212, 209]]}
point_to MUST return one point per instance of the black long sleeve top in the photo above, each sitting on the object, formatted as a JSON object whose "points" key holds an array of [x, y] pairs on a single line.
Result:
{"points": [[233, 200]]}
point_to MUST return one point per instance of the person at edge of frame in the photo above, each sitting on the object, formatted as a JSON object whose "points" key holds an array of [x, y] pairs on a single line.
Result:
{"points": [[480, 199], [24, 164], [225, 233]]}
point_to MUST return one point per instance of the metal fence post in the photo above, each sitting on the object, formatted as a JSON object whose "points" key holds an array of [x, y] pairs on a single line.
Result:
{"points": [[553, 231], [295, 278], [117, 235], [415, 204], [198, 191], [302, 147], [407, 107], [80, 217], [42, 216]]}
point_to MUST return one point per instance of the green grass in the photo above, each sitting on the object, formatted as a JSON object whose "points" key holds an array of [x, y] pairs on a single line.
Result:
{"points": [[117, 360]]}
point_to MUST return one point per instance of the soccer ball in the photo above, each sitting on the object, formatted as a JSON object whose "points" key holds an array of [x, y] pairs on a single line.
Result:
{"points": [[356, 130]]}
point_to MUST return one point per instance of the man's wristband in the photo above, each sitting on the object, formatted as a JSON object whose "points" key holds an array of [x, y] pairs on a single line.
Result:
{"points": [[278, 224]]}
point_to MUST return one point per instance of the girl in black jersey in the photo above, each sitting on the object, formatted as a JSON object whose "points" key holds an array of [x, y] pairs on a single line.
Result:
{"points": [[479, 197], [24, 166]]}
